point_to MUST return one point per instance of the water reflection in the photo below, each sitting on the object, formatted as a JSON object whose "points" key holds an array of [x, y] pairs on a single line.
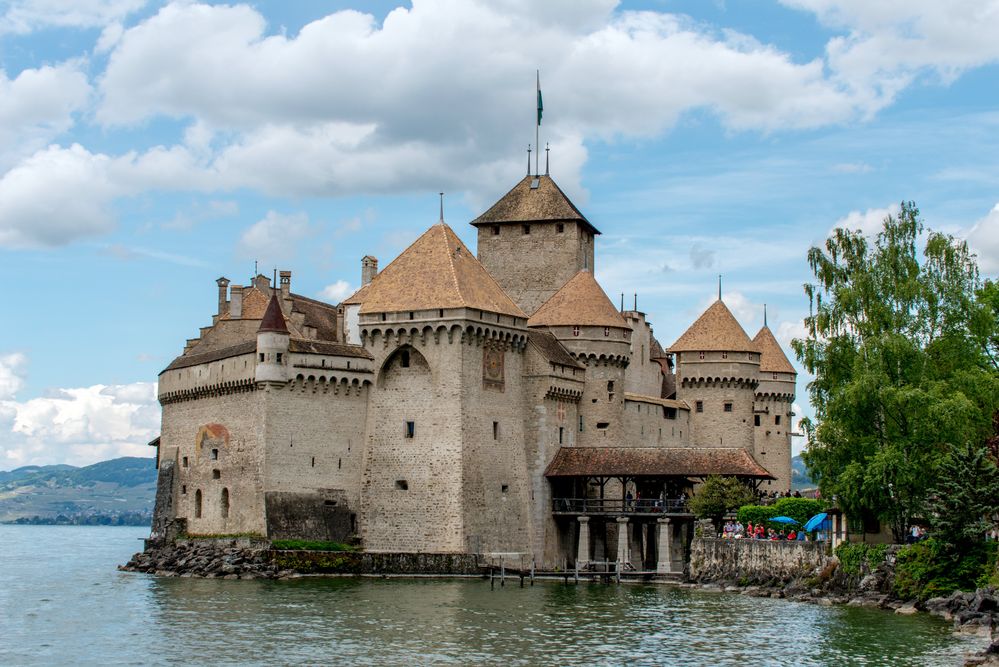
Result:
{"points": [[70, 606]]}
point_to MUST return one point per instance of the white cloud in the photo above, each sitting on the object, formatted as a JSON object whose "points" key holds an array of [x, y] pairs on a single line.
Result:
{"points": [[788, 331], [79, 425], [868, 222], [336, 292], [37, 105], [12, 367], [983, 239], [273, 238], [852, 168], [24, 16]]}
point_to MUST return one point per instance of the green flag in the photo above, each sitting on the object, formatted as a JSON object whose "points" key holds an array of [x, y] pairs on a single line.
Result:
{"points": [[540, 105]]}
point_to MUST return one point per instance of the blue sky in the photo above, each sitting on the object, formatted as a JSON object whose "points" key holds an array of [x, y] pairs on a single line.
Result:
{"points": [[147, 148]]}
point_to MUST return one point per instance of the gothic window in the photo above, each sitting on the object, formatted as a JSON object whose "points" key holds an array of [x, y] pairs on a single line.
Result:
{"points": [[197, 504], [225, 503]]}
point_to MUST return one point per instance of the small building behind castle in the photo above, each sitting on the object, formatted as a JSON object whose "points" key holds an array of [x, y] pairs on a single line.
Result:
{"points": [[482, 403]]}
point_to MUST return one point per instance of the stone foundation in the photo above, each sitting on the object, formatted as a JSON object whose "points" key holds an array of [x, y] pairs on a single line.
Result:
{"points": [[754, 561]]}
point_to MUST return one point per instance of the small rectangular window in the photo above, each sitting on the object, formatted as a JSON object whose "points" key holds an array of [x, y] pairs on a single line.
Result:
{"points": [[700, 355], [575, 330], [261, 357], [607, 331], [495, 230], [775, 376], [279, 355], [215, 455], [216, 474], [495, 430], [183, 489], [602, 425], [184, 462], [404, 358], [401, 485], [559, 228], [724, 355], [670, 413], [527, 229], [756, 420], [313, 461], [504, 488], [699, 406], [728, 407], [777, 420], [410, 429], [561, 434]]}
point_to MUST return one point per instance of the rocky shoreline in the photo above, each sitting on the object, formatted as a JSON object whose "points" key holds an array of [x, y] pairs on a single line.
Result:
{"points": [[209, 560]]}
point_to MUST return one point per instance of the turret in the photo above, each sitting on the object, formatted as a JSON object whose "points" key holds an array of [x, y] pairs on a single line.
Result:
{"points": [[273, 340], [586, 322], [773, 415], [717, 370]]}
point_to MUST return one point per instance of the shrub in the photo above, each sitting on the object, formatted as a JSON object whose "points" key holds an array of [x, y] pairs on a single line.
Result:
{"points": [[853, 557], [931, 569], [799, 509], [755, 514]]}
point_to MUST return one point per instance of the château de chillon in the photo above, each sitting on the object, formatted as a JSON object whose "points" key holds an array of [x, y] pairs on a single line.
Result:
{"points": [[466, 403]]}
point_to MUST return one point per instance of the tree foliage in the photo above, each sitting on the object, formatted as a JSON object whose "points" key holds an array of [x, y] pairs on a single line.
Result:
{"points": [[965, 497], [719, 495], [904, 352]]}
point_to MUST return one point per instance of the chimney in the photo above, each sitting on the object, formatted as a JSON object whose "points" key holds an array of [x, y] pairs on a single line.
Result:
{"points": [[285, 279], [236, 302], [369, 269], [223, 284]]}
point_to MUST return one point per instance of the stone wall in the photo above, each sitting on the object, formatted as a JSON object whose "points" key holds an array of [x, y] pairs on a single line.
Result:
{"points": [[754, 561], [647, 424], [772, 441], [644, 376]]}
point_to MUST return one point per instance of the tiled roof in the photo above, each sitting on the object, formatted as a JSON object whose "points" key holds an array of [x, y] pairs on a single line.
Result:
{"points": [[436, 271], [186, 360], [580, 301], [357, 297], [772, 358], [273, 319], [665, 402], [553, 350], [716, 330], [332, 349], [526, 204], [321, 316], [654, 461], [254, 304]]}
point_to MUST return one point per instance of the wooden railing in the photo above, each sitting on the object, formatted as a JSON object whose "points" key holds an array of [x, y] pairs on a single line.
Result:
{"points": [[619, 506]]}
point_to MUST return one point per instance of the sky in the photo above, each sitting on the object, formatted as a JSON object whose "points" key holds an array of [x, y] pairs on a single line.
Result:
{"points": [[147, 148]]}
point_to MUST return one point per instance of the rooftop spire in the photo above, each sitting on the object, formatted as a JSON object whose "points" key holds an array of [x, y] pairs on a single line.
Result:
{"points": [[273, 319], [764, 314], [719, 287], [442, 206], [547, 148], [528, 159]]}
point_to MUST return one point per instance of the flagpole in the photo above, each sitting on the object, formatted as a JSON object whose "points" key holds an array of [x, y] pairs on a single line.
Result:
{"points": [[537, 129]]}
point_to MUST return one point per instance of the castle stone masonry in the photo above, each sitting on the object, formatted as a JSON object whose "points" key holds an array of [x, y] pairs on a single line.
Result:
{"points": [[458, 403]]}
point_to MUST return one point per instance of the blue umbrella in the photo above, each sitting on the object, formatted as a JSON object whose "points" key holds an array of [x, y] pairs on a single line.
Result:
{"points": [[783, 519], [816, 521]]}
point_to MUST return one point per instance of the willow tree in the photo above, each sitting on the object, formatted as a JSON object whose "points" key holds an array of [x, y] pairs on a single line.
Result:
{"points": [[902, 347]]}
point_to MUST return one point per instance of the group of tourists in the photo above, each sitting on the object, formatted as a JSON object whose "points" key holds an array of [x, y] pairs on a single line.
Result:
{"points": [[734, 530], [776, 495]]}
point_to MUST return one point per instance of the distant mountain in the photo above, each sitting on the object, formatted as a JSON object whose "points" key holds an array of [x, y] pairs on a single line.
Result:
{"points": [[117, 491], [799, 475]]}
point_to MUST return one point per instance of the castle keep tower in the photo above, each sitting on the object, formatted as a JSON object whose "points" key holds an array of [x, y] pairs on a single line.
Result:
{"points": [[717, 370], [773, 412], [534, 240]]}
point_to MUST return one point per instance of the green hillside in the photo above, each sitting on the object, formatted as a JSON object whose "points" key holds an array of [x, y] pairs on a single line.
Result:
{"points": [[117, 491]]}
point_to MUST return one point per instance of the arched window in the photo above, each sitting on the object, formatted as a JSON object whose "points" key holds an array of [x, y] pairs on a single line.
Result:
{"points": [[197, 504], [225, 503]]}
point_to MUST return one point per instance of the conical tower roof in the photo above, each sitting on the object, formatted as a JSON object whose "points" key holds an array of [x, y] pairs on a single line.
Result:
{"points": [[580, 301], [273, 319], [543, 201], [436, 271], [772, 357], [716, 330]]}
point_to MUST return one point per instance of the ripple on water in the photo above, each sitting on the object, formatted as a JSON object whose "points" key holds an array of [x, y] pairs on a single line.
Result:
{"points": [[63, 602]]}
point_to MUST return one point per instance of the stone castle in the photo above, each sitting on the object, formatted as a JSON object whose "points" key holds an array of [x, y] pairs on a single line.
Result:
{"points": [[463, 403]]}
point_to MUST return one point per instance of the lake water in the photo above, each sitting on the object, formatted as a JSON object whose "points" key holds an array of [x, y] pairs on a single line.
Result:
{"points": [[62, 602]]}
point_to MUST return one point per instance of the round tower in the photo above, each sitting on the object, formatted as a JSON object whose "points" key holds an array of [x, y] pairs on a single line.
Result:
{"points": [[773, 418], [717, 371], [273, 340], [585, 321]]}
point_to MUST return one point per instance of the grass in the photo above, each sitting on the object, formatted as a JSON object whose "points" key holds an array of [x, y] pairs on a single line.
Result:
{"points": [[310, 545]]}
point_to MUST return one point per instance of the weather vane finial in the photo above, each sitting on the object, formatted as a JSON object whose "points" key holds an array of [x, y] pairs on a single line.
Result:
{"points": [[764, 314], [547, 148], [442, 206], [719, 287]]}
